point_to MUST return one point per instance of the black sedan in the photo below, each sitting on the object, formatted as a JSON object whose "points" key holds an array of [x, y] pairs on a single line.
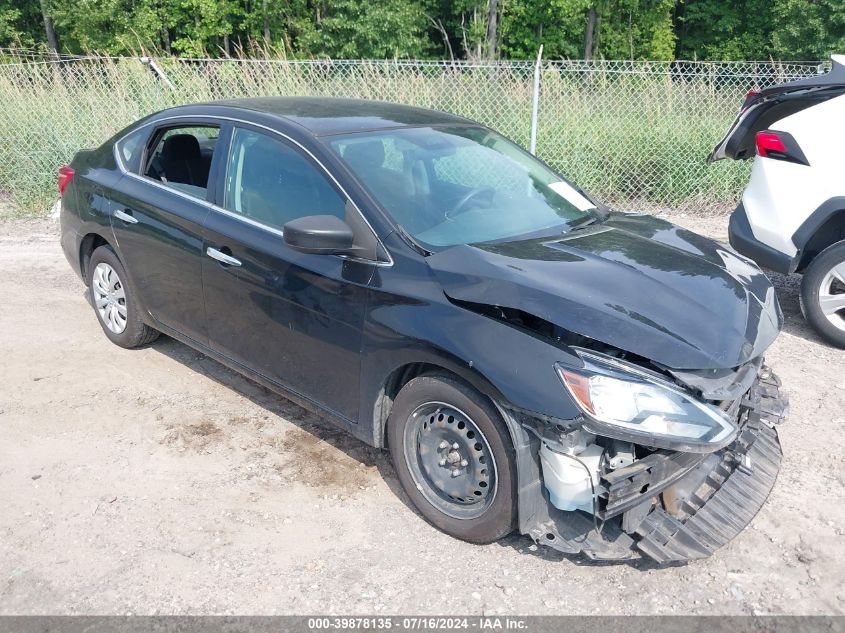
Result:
{"points": [[532, 360]]}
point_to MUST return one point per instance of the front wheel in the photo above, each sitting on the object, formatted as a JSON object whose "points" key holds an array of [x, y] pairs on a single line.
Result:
{"points": [[823, 294], [454, 458]]}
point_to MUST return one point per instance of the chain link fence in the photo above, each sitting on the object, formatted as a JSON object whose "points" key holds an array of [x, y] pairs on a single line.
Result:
{"points": [[636, 134]]}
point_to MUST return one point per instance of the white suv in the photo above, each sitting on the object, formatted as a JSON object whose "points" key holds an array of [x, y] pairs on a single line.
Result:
{"points": [[792, 214]]}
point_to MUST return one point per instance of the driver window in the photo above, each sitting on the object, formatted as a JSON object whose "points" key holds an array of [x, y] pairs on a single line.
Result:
{"points": [[272, 183]]}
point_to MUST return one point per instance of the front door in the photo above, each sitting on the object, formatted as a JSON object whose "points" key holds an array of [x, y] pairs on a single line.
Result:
{"points": [[294, 318]]}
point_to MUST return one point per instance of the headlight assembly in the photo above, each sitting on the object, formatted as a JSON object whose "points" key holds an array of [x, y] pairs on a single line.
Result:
{"points": [[623, 401]]}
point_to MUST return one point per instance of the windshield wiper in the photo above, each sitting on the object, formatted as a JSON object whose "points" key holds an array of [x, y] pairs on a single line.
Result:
{"points": [[587, 221]]}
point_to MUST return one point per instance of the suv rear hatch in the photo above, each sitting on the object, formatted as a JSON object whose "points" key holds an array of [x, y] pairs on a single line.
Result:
{"points": [[761, 109]]}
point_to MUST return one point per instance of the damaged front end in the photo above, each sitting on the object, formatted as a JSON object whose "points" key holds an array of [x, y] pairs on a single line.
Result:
{"points": [[609, 494], [636, 452]]}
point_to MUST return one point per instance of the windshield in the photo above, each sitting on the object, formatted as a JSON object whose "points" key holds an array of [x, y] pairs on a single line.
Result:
{"points": [[460, 185]]}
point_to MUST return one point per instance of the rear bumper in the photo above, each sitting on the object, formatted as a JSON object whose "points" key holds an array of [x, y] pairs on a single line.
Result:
{"points": [[71, 242], [742, 239], [70, 239]]}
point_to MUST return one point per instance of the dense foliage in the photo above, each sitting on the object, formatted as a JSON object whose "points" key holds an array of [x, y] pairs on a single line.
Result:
{"points": [[611, 29]]}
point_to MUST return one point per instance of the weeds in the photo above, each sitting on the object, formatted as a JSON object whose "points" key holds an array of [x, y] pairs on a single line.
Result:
{"points": [[637, 139]]}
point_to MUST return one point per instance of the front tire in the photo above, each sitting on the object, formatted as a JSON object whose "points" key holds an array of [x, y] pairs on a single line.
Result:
{"points": [[114, 301], [454, 458], [823, 294]]}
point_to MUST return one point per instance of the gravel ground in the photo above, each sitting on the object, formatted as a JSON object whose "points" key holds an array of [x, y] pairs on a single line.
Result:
{"points": [[156, 481]]}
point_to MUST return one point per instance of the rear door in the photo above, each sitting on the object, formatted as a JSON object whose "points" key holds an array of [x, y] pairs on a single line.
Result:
{"points": [[158, 209], [761, 109], [295, 318]]}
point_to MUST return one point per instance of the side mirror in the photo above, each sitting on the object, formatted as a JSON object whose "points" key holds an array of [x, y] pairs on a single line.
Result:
{"points": [[319, 234]]}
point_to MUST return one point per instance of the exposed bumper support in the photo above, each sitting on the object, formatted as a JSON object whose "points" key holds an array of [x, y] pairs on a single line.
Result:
{"points": [[732, 493], [721, 494], [730, 497]]}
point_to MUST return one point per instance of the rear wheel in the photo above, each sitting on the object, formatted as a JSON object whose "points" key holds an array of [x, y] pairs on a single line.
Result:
{"points": [[823, 294], [454, 458], [114, 301]]}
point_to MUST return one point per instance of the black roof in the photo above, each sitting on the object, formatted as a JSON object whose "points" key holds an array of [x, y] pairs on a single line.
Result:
{"points": [[325, 115]]}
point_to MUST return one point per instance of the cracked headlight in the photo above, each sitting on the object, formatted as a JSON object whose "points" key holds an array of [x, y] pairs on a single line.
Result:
{"points": [[625, 402]]}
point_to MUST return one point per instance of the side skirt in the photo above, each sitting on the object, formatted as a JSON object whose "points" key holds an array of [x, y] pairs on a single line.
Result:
{"points": [[305, 402]]}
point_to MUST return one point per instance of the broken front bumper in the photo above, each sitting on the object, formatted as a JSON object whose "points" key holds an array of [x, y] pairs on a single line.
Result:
{"points": [[675, 507], [723, 506]]}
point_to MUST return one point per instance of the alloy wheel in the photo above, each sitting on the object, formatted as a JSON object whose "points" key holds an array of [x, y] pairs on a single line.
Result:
{"points": [[832, 296], [109, 297]]}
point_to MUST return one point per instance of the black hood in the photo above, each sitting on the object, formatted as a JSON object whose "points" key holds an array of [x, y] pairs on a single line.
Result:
{"points": [[638, 283]]}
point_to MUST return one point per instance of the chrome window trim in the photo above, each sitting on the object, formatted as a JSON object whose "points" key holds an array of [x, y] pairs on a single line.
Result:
{"points": [[232, 214], [116, 155]]}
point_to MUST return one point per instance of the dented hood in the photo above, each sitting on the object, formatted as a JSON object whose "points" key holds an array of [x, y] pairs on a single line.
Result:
{"points": [[638, 283]]}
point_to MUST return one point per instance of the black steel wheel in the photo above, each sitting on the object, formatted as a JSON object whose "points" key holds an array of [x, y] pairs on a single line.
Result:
{"points": [[454, 458], [450, 460]]}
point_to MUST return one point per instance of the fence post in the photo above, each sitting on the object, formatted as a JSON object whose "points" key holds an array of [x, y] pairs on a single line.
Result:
{"points": [[535, 101], [157, 70]]}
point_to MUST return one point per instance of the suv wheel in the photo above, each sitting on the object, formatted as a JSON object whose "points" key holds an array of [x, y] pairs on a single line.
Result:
{"points": [[114, 301], [454, 458], [823, 294]]}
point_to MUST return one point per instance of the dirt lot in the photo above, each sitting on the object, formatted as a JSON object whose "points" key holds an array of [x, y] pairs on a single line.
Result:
{"points": [[157, 481]]}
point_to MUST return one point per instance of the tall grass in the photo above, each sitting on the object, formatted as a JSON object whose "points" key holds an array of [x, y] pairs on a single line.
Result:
{"points": [[636, 135], [642, 141]]}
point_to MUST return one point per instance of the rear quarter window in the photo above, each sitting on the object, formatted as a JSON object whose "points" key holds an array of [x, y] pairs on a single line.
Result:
{"points": [[130, 148]]}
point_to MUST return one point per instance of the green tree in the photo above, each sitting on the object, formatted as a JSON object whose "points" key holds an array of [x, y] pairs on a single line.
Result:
{"points": [[85, 25], [635, 29], [351, 29], [808, 30], [620, 29], [556, 24], [203, 26], [20, 24], [475, 29], [464, 25], [724, 29]]}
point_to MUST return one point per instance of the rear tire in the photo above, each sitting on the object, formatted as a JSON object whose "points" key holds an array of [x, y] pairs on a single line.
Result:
{"points": [[114, 302], [823, 294], [454, 458]]}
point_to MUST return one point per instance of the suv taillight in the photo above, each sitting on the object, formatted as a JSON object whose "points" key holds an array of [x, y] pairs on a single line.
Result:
{"points": [[769, 144], [66, 174], [780, 146]]}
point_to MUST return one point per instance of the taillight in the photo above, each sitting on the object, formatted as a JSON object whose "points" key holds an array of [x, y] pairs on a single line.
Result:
{"points": [[769, 142], [66, 174], [779, 146]]}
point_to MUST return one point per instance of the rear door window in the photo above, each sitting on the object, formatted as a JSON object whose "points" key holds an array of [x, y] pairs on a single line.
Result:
{"points": [[181, 158]]}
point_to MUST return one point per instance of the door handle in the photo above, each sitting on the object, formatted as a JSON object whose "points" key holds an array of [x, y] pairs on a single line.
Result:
{"points": [[126, 217], [222, 257]]}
